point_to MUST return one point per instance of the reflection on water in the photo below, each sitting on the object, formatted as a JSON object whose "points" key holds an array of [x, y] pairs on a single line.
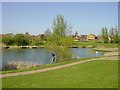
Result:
{"points": [[41, 55], [84, 52]]}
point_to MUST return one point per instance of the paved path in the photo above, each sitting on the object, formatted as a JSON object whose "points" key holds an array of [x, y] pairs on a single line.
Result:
{"points": [[56, 67]]}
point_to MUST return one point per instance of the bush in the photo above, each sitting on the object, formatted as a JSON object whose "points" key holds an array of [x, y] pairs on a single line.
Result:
{"points": [[8, 40]]}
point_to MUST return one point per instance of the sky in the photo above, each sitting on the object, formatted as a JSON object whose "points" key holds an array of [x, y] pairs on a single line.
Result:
{"points": [[36, 17]]}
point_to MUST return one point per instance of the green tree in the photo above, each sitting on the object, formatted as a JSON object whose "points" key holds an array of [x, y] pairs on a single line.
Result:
{"points": [[59, 42], [21, 39], [8, 40], [36, 40], [113, 33], [116, 36], [60, 26], [28, 38], [105, 35], [47, 33], [76, 33]]}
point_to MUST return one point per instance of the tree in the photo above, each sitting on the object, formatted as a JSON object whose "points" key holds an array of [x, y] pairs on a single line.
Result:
{"points": [[8, 40], [113, 33], [76, 33], [116, 36], [59, 42], [105, 35], [36, 40], [21, 39], [47, 33], [60, 26], [28, 37]]}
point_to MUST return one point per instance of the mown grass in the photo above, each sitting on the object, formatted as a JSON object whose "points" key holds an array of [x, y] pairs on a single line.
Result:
{"points": [[0, 39], [84, 44], [46, 65], [95, 74], [96, 44]]}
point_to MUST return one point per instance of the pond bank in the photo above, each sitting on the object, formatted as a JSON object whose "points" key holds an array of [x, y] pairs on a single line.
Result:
{"points": [[56, 67], [108, 51], [6, 47], [42, 46]]}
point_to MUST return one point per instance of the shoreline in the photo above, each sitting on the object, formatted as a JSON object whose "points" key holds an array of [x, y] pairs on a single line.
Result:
{"points": [[56, 65], [42, 46], [10, 47], [106, 50]]}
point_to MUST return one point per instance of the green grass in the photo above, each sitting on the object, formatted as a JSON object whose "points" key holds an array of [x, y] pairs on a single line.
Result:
{"points": [[46, 66], [0, 39], [95, 74], [93, 43], [85, 43]]}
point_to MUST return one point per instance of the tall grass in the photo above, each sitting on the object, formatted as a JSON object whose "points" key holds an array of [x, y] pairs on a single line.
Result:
{"points": [[17, 65]]}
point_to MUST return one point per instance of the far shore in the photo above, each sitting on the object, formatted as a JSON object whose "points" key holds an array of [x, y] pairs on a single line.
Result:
{"points": [[42, 46], [6, 47], [108, 51]]}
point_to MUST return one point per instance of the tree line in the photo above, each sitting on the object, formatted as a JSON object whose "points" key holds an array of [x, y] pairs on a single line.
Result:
{"points": [[22, 39], [110, 36]]}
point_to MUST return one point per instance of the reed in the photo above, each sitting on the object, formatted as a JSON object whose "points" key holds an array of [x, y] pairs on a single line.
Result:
{"points": [[17, 65]]}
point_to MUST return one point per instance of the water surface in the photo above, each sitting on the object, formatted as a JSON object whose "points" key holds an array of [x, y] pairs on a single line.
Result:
{"points": [[41, 55]]}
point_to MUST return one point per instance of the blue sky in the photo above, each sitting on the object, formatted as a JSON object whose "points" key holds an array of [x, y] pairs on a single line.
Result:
{"points": [[35, 18]]}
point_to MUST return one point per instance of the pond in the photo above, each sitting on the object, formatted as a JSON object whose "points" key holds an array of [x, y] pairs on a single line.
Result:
{"points": [[41, 55]]}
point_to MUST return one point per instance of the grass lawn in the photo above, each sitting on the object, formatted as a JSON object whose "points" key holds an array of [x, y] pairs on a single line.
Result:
{"points": [[93, 43], [0, 39], [95, 74]]}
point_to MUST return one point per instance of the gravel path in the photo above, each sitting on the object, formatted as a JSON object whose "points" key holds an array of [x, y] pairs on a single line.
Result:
{"points": [[55, 67]]}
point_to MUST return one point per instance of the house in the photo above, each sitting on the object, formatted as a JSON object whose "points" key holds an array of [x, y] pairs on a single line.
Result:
{"points": [[83, 37], [79, 37], [91, 37], [7, 35], [10, 34], [74, 37], [41, 36], [99, 38]]}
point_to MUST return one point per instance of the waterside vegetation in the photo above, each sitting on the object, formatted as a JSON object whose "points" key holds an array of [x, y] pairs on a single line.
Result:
{"points": [[31, 66]]}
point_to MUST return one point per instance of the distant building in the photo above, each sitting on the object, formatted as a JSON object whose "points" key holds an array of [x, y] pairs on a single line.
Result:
{"points": [[83, 37], [73, 36], [91, 37], [79, 37], [7, 34], [41, 36]]}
